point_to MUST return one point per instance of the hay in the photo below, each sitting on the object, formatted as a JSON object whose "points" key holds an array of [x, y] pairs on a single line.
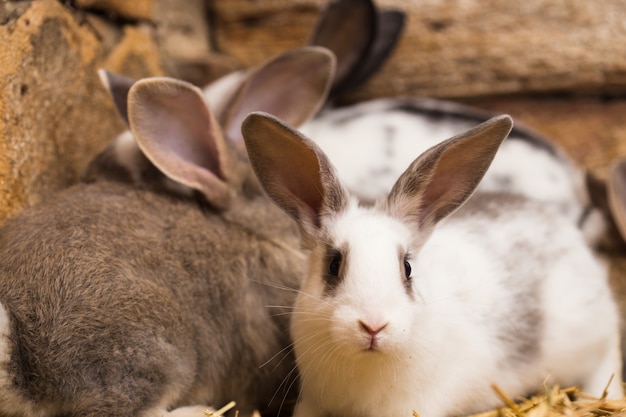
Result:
{"points": [[553, 402], [221, 411], [557, 402]]}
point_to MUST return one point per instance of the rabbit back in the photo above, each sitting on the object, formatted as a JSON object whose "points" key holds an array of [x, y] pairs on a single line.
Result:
{"points": [[502, 241], [372, 143], [120, 300]]}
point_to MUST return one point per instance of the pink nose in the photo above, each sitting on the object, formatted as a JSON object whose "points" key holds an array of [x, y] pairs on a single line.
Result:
{"points": [[373, 330]]}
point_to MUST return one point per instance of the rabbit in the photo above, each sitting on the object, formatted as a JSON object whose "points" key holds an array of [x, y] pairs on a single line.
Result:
{"points": [[149, 292], [421, 300]]}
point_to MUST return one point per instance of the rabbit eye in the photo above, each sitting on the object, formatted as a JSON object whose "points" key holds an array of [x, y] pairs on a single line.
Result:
{"points": [[334, 264], [407, 269]]}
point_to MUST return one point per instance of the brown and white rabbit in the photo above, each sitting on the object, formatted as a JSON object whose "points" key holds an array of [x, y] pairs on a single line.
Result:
{"points": [[408, 301], [146, 292]]}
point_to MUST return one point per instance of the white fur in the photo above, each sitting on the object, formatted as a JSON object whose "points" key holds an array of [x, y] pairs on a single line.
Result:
{"points": [[221, 91], [443, 343], [127, 153], [354, 140]]}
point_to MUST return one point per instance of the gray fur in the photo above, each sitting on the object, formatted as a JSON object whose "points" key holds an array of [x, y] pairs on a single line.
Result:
{"points": [[119, 297], [146, 288]]}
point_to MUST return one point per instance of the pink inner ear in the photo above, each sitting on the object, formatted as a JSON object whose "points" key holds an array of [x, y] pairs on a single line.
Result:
{"points": [[292, 87], [450, 187], [176, 131], [187, 136]]}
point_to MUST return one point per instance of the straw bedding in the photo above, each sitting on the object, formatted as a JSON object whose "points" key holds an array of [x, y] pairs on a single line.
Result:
{"points": [[556, 402]]}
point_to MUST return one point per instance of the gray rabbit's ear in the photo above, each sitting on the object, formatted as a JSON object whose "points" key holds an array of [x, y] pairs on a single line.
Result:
{"points": [[617, 195], [360, 37], [446, 175], [294, 172], [293, 86], [178, 133], [118, 87]]}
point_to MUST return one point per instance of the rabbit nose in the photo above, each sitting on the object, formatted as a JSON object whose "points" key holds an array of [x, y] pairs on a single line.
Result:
{"points": [[373, 330]]}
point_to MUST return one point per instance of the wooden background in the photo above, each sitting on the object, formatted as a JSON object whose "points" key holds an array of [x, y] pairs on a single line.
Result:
{"points": [[556, 65]]}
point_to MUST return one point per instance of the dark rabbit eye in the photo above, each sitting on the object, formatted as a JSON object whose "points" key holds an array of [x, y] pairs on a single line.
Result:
{"points": [[334, 264], [407, 269]]}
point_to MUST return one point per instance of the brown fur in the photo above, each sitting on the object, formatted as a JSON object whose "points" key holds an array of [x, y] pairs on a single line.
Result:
{"points": [[147, 288], [120, 296]]}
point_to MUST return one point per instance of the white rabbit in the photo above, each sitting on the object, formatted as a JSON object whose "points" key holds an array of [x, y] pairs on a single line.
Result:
{"points": [[410, 306]]}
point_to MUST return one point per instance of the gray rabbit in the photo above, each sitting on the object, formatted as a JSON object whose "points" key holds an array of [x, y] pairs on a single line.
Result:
{"points": [[146, 290]]}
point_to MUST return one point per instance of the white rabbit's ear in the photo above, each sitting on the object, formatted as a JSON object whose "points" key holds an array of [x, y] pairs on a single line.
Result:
{"points": [[445, 176], [360, 37], [617, 195], [294, 172], [118, 87], [293, 86], [178, 133]]}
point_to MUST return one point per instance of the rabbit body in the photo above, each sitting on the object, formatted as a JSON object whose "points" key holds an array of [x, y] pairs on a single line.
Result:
{"points": [[478, 314], [118, 300], [424, 299]]}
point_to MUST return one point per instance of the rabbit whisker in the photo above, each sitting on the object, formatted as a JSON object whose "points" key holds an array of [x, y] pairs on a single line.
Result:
{"points": [[285, 350]]}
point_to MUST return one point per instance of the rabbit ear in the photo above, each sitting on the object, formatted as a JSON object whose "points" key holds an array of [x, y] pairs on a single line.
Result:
{"points": [[360, 37], [445, 176], [177, 132], [294, 172], [617, 195], [118, 87], [292, 86], [348, 28], [389, 28]]}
